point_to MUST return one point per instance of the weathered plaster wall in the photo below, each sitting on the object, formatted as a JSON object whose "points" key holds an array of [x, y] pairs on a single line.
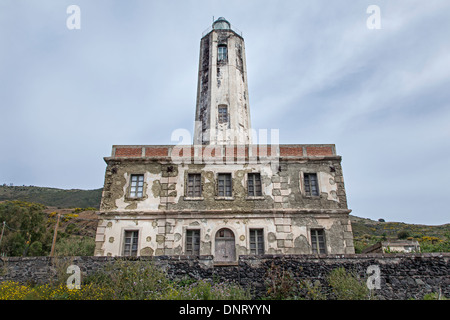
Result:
{"points": [[165, 234], [165, 212], [222, 83], [282, 188]]}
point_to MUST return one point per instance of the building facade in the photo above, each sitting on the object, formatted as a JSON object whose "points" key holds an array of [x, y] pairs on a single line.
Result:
{"points": [[223, 195]]}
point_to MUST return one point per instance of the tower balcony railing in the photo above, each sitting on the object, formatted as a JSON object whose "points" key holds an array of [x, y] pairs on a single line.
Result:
{"points": [[232, 28]]}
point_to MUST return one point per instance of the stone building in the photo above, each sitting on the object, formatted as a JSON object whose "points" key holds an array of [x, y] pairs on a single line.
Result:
{"points": [[223, 195]]}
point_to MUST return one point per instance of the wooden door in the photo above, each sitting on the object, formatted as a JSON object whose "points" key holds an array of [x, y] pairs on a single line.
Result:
{"points": [[225, 250]]}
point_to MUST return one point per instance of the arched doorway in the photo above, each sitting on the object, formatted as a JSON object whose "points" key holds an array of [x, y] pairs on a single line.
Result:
{"points": [[225, 250]]}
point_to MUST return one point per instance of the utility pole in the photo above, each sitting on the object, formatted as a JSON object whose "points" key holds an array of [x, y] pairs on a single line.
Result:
{"points": [[54, 236], [3, 229]]}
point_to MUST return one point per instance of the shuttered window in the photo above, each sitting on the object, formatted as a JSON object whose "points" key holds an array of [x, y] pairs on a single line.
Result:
{"points": [[318, 241], [311, 186], [256, 241], [193, 242], [224, 185], [223, 114], [254, 185], [194, 185]]}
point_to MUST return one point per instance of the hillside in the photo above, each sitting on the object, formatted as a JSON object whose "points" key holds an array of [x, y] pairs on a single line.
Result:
{"points": [[61, 198], [367, 232]]}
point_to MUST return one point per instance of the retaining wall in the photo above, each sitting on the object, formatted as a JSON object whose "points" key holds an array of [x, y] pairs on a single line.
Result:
{"points": [[402, 276]]}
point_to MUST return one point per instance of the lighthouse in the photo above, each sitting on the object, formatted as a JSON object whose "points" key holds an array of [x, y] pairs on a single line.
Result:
{"points": [[222, 112]]}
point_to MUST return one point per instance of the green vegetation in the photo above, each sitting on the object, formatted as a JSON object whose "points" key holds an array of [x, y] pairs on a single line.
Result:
{"points": [[141, 280], [340, 285], [24, 229], [126, 280], [52, 196], [28, 231], [367, 232]]}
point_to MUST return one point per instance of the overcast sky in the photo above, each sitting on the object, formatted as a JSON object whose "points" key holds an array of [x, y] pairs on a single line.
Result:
{"points": [[315, 71]]}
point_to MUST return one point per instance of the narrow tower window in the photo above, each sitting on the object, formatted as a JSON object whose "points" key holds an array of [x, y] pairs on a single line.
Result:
{"points": [[223, 114], [222, 53]]}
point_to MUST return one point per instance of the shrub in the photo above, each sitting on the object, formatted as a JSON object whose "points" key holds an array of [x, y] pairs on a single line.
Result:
{"points": [[132, 280], [347, 286], [280, 283], [75, 246], [204, 290], [403, 234]]}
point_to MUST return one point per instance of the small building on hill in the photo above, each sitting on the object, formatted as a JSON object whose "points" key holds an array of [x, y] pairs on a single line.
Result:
{"points": [[394, 246]]}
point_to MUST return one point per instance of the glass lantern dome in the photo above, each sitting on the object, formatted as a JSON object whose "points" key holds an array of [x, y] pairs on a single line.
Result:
{"points": [[221, 24]]}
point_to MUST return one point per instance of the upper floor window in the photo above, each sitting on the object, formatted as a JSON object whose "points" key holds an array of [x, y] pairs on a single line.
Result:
{"points": [[311, 185], [222, 53], [254, 185], [224, 185], [194, 185], [137, 186], [223, 114]]}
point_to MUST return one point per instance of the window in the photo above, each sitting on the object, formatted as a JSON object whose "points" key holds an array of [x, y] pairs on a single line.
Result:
{"points": [[256, 241], [130, 247], [254, 185], [318, 241], [137, 186], [222, 53], [223, 114], [193, 242], [311, 186], [224, 185], [194, 185]]}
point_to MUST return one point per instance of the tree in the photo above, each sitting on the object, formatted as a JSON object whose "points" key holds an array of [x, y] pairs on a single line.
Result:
{"points": [[25, 229]]}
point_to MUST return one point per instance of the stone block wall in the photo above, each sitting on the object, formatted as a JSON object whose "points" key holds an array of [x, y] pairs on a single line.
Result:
{"points": [[403, 276]]}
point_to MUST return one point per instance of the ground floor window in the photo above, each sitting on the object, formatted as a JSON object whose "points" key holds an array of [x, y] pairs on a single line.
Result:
{"points": [[130, 247], [193, 242], [256, 241], [318, 241]]}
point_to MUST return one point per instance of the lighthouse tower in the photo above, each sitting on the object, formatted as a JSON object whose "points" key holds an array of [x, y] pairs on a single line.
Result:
{"points": [[222, 114]]}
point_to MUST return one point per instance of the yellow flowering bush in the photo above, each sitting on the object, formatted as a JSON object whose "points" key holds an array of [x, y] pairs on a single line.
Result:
{"points": [[10, 290]]}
